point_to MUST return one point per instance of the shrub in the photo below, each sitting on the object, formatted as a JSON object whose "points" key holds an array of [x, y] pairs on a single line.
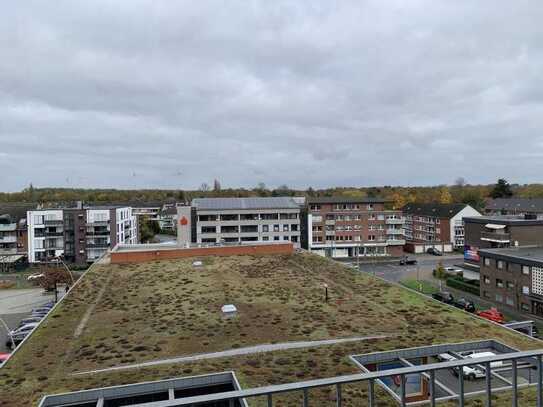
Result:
{"points": [[461, 285]]}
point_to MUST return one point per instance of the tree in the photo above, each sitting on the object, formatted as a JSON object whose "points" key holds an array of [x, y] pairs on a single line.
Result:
{"points": [[398, 200], [445, 196], [216, 185], [502, 189]]}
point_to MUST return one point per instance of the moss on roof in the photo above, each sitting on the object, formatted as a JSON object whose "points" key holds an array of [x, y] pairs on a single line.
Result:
{"points": [[164, 309]]}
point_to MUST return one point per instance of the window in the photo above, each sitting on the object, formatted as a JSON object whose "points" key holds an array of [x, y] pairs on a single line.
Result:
{"points": [[209, 229], [276, 228], [294, 239], [525, 290], [285, 238], [486, 279], [371, 238], [487, 261], [285, 228], [369, 207], [266, 228], [510, 285], [500, 264], [276, 238], [315, 207], [526, 270], [509, 301], [525, 307], [499, 283], [499, 298], [294, 228], [537, 280]]}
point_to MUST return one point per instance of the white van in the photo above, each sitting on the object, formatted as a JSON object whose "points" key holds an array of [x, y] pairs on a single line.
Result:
{"points": [[475, 371]]}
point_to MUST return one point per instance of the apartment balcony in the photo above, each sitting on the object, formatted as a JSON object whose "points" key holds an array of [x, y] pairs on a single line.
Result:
{"points": [[98, 232], [56, 222], [53, 234], [395, 232], [8, 239], [496, 237], [395, 242], [395, 221], [98, 223], [98, 245]]}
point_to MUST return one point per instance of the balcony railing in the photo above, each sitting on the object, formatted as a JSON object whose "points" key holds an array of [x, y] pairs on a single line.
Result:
{"points": [[496, 237], [395, 221], [8, 239], [57, 222], [395, 232], [396, 242], [98, 245]]}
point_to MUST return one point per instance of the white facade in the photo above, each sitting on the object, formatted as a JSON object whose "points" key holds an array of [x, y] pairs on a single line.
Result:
{"points": [[457, 226], [127, 226], [45, 234]]}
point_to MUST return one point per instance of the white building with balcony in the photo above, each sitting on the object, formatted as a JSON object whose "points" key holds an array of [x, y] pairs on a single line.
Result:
{"points": [[246, 220]]}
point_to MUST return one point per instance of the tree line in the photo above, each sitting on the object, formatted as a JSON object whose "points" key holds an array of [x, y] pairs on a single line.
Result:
{"points": [[459, 192]]}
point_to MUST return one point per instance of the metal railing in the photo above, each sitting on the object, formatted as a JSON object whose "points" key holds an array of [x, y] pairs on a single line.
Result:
{"points": [[429, 371], [498, 237]]}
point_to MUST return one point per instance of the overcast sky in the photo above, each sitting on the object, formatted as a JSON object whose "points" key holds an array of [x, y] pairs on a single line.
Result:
{"points": [[170, 94]]}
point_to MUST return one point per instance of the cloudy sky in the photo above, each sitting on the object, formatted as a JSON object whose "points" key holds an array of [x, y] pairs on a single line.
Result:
{"points": [[170, 94]]}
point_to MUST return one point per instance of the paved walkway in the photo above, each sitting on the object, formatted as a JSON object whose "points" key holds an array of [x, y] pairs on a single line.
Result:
{"points": [[238, 352]]}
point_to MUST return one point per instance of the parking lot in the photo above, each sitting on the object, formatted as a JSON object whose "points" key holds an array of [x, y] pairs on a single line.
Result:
{"points": [[392, 271], [16, 305]]}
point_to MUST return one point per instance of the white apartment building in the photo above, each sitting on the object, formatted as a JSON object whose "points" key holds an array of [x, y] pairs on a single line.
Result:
{"points": [[246, 220], [79, 235]]}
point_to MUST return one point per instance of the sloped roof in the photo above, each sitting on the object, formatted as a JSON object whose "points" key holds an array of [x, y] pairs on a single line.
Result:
{"points": [[344, 199], [518, 204], [279, 202], [433, 209]]}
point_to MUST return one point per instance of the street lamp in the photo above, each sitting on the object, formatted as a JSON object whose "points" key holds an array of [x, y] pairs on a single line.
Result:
{"points": [[325, 292], [59, 258]]}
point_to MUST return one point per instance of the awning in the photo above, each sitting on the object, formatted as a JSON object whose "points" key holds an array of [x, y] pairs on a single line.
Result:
{"points": [[494, 226]]}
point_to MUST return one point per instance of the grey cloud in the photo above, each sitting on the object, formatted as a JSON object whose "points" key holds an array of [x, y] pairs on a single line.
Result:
{"points": [[303, 93]]}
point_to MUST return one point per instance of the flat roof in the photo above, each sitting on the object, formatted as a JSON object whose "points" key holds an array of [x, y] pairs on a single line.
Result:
{"points": [[280, 202], [134, 323], [504, 220], [521, 253]]}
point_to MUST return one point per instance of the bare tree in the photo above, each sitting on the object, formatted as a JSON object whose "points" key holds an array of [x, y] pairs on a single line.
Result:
{"points": [[460, 182]]}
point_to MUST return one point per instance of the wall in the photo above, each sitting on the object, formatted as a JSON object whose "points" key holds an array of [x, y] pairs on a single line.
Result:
{"points": [[164, 254]]}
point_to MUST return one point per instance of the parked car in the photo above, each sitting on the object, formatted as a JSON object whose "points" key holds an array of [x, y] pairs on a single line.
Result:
{"points": [[41, 309], [433, 251], [33, 277], [24, 328], [464, 304], [407, 261], [29, 320], [476, 371], [3, 358], [454, 270], [40, 314], [443, 296]]}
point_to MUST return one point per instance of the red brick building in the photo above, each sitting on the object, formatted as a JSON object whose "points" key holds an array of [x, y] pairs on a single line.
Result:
{"points": [[351, 227]]}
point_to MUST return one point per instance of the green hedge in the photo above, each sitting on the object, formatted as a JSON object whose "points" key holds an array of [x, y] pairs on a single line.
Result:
{"points": [[460, 285]]}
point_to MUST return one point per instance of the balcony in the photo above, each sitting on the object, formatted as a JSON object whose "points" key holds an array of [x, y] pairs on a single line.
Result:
{"points": [[8, 239], [496, 237], [91, 232], [55, 222], [394, 231], [53, 234], [395, 221], [395, 242], [97, 245]]}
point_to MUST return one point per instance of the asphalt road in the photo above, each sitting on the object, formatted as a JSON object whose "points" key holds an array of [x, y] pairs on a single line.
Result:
{"points": [[392, 271], [16, 305]]}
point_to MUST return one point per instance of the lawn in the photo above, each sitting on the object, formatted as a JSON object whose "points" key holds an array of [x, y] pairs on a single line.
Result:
{"points": [[165, 309]]}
